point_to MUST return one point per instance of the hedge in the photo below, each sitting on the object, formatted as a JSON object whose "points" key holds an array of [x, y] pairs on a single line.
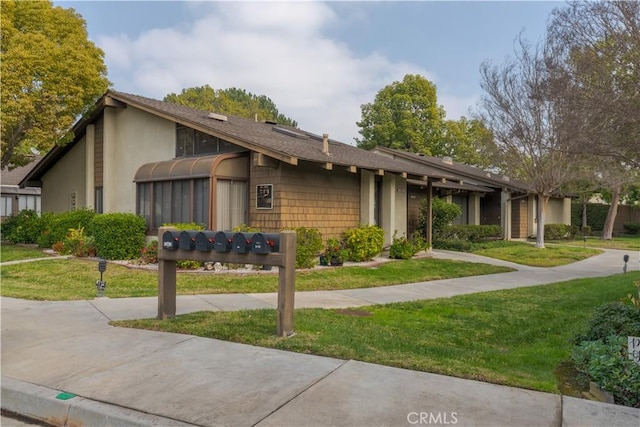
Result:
{"points": [[118, 235]]}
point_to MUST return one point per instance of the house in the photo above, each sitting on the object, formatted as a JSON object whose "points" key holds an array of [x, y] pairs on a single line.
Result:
{"points": [[485, 197], [171, 163], [14, 197]]}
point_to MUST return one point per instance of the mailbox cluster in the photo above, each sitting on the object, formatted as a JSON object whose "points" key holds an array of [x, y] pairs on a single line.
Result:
{"points": [[221, 241]]}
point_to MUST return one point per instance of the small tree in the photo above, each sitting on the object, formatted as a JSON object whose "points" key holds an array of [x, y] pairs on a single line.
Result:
{"points": [[443, 214]]}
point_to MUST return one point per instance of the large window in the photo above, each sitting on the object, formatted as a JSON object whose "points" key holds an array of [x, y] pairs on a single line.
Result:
{"points": [[6, 208], [188, 200], [29, 201], [463, 202], [231, 204], [190, 142], [99, 199]]}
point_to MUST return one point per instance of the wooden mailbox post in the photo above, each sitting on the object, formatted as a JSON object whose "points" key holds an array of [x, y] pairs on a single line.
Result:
{"points": [[285, 260]]}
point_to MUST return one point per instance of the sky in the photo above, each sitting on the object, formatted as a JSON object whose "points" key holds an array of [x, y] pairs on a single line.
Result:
{"points": [[319, 62]]}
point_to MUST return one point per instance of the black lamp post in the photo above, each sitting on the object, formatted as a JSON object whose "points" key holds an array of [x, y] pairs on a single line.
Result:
{"points": [[101, 284], [625, 258]]}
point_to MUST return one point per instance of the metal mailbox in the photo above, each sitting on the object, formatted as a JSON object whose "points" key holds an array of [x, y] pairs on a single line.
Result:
{"points": [[187, 241], [205, 241], [170, 240], [222, 241], [241, 243], [265, 243]]}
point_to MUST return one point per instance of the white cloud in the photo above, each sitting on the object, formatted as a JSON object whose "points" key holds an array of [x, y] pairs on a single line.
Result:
{"points": [[273, 49]]}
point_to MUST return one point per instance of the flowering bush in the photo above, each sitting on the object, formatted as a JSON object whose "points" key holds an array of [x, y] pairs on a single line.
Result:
{"points": [[149, 254]]}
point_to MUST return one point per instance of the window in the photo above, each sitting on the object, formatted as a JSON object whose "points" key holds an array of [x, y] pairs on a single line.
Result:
{"points": [[231, 204], [144, 202], [99, 200], [167, 202], [463, 218], [6, 207], [162, 203], [31, 202], [181, 201], [190, 142], [201, 201]]}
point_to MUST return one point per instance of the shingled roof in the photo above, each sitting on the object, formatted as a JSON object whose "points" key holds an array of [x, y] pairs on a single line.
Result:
{"points": [[284, 143], [467, 173]]}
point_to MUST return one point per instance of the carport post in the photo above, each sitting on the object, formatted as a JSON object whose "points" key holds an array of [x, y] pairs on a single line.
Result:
{"points": [[286, 284], [166, 283]]}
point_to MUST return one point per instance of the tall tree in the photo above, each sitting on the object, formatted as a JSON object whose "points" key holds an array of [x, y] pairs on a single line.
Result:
{"points": [[523, 115], [404, 115], [233, 101], [51, 74], [599, 77]]}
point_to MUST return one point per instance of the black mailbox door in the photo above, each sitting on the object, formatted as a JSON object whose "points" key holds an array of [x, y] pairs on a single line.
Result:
{"points": [[170, 240], [241, 243], [205, 241], [223, 241], [187, 241]]}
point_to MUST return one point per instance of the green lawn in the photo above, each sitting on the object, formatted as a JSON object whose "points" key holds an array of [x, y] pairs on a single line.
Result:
{"points": [[17, 252], [527, 254], [74, 279], [625, 242], [515, 337]]}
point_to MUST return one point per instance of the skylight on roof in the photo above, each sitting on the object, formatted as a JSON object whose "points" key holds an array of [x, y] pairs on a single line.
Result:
{"points": [[290, 132]]}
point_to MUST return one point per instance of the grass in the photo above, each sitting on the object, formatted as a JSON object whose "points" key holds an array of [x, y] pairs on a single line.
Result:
{"points": [[528, 254], [624, 242], [19, 252], [515, 337], [74, 279]]}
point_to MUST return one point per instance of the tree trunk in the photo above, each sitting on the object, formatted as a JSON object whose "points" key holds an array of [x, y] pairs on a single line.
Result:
{"points": [[542, 209], [584, 213], [607, 232]]}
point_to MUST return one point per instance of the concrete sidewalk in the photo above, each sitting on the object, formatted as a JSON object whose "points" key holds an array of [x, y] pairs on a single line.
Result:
{"points": [[123, 377]]}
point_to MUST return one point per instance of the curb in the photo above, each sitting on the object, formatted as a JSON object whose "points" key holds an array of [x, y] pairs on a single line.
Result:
{"points": [[40, 403]]}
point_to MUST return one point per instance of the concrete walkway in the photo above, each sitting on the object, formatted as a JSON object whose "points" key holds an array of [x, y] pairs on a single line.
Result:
{"points": [[122, 377]]}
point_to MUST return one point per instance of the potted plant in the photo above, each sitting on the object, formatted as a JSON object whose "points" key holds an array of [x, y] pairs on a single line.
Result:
{"points": [[335, 252]]}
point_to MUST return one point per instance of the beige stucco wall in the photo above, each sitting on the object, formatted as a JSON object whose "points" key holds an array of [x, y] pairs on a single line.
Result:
{"points": [[132, 138], [66, 177], [558, 211]]}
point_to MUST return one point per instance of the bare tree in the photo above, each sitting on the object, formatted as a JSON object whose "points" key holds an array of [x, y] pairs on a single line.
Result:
{"points": [[597, 73], [524, 116]]}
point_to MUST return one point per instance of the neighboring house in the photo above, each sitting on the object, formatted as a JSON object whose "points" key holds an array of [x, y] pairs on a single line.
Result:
{"points": [[170, 163], [15, 198], [485, 197]]}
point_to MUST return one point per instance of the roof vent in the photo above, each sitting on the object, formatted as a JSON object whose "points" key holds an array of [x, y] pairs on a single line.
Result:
{"points": [[325, 143], [505, 178], [447, 160], [216, 116], [488, 174]]}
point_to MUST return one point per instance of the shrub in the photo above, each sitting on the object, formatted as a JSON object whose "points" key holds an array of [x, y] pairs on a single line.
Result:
{"points": [[403, 248], [631, 227], [149, 254], [118, 235], [78, 244], [556, 231], [308, 246], [363, 242], [25, 227], [596, 215], [615, 318], [443, 214], [473, 233], [586, 230], [453, 245], [57, 225], [606, 363]]}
